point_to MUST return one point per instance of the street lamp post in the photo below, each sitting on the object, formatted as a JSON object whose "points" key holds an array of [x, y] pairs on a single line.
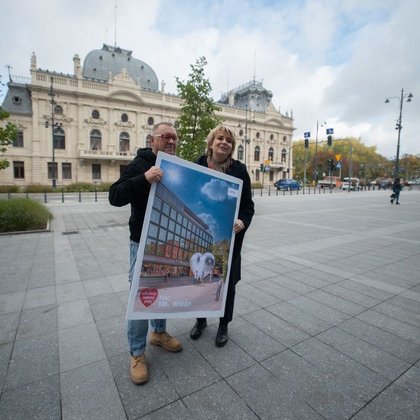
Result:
{"points": [[54, 126], [399, 127], [316, 152], [246, 140]]}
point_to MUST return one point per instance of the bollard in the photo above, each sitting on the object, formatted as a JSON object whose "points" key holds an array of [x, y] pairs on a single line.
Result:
{"points": [[269, 191], [96, 195], [45, 196], [62, 194], [80, 196]]}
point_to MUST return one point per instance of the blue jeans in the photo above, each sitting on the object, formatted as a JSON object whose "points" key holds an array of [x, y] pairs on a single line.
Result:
{"points": [[137, 328]]}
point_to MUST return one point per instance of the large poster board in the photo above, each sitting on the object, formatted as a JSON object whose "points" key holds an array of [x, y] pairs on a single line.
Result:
{"points": [[185, 250]]}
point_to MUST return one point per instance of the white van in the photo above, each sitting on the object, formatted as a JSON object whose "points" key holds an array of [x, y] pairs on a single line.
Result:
{"points": [[354, 184]]}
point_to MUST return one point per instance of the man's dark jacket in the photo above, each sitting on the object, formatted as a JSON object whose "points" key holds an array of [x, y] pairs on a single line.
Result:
{"points": [[133, 188]]}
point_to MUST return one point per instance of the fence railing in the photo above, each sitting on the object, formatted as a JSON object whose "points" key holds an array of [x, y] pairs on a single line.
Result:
{"points": [[94, 196]]}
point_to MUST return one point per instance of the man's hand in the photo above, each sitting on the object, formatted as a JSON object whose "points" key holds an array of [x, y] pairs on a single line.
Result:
{"points": [[154, 174]]}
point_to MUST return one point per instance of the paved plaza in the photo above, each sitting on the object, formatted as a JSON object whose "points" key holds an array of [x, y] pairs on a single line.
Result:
{"points": [[326, 323]]}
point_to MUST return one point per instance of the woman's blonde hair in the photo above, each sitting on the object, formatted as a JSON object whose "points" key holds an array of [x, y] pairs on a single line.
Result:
{"points": [[226, 131]]}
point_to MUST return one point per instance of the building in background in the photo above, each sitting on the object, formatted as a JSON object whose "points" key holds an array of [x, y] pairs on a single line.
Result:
{"points": [[87, 126]]}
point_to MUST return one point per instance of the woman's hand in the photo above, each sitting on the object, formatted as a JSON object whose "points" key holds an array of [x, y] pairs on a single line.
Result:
{"points": [[238, 226], [154, 174]]}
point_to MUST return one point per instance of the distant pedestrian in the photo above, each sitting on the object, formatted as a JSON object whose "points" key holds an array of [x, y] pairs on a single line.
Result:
{"points": [[396, 189]]}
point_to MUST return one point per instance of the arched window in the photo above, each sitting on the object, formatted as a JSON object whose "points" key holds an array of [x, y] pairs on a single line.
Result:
{"points": [[124, 142], [240, 152], [271, 154], [95, 140], [283, 155], [257, 153], [59, 138]]}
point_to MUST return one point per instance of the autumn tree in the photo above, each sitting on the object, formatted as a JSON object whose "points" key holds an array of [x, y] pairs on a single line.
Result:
{"points": [[410, 166], [365, 162], [7, 134], [197, 116]]}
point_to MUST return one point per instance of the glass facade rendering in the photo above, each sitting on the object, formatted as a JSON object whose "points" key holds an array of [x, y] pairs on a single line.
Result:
{"points": [[175, 233]]}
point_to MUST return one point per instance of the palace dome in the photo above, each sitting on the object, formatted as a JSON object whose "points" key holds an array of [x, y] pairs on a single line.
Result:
{"points": [[99, 64]]}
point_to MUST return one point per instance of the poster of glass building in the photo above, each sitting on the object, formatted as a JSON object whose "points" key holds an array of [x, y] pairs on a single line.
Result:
{"points": [[185, 250]]}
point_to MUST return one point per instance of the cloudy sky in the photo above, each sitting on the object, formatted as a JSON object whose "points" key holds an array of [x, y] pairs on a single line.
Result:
{"points": [[333, 61]]}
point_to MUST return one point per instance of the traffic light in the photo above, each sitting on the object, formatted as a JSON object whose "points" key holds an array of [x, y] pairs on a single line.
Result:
{"points": [[330, 164], [306, 143], [329, 140]]}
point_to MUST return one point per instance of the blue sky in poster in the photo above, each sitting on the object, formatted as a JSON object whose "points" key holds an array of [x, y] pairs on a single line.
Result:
{"points": [[207, 196]]}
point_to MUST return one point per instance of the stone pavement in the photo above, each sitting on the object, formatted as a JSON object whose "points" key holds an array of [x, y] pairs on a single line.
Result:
{"points": [[327, 319]]}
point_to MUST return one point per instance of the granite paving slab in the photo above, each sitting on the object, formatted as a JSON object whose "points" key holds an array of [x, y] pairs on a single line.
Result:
{"points": [[326, 321]]}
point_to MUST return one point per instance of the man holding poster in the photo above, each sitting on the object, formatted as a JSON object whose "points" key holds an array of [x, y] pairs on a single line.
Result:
{"points": [[133, 188]]}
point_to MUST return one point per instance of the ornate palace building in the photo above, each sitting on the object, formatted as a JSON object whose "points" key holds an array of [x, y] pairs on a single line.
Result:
{"points": [[87, 126]]}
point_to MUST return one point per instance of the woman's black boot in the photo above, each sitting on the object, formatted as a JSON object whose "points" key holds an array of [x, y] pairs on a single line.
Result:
{"points": [[199, 326], [222, 336]]}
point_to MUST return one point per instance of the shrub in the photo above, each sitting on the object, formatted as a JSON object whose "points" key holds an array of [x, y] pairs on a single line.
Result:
{"points": [[256, 185], [21, 214], [87, 187], [38, 188], [4, 189], [104, 187], [79, 186]]}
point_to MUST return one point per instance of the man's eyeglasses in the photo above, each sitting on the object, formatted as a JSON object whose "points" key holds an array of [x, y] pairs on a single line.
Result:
{"points": [[167, 137]]}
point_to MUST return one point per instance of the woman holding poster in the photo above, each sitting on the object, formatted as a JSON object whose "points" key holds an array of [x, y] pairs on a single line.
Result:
{"points": [[220, 147]]}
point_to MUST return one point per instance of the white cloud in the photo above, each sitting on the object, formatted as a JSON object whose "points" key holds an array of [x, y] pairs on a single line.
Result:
{"points": [[324, 59], [215, 190]]}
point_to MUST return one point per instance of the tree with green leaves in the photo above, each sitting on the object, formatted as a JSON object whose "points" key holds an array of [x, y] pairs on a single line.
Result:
{"points": [[198, 110], [7, 134]]}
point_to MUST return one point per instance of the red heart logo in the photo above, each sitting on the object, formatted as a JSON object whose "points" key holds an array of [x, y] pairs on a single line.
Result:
{"points": [[148, 296]]}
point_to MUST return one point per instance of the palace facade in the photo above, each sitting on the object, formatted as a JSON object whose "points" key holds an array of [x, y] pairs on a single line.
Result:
{"points": [[87, 126]]}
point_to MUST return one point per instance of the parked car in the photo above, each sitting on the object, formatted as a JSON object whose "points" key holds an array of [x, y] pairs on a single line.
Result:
{"points": [[287, 184]]}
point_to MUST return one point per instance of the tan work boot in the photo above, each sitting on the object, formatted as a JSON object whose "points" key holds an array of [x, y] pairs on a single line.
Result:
{"points": [[138, 369], [166, 341]]}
